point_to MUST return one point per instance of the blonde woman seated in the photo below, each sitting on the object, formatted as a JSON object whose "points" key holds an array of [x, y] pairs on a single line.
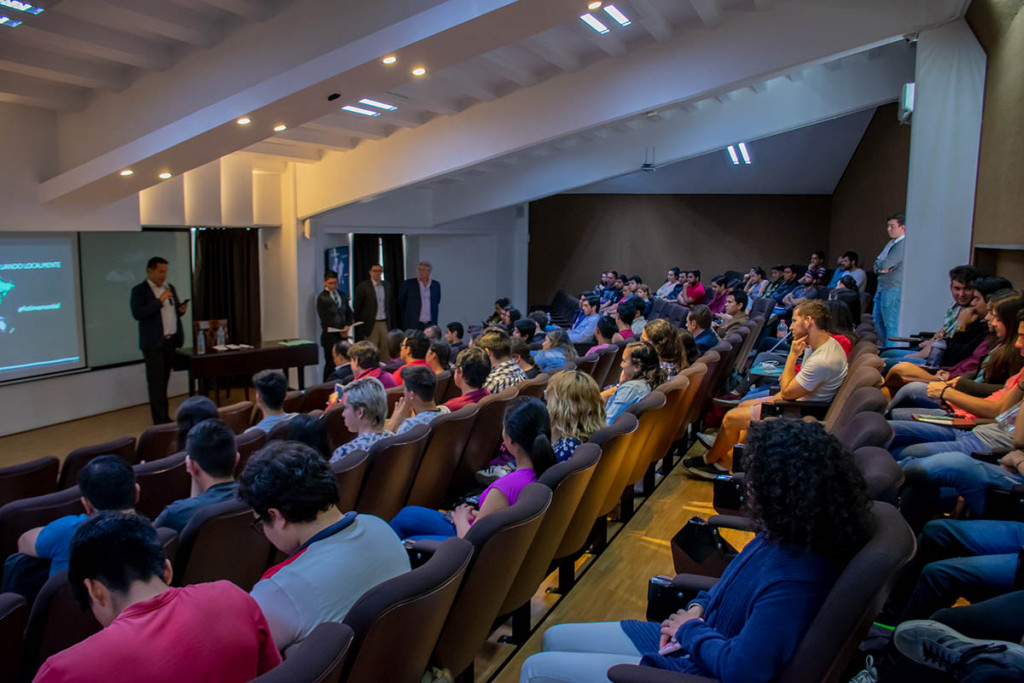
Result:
{"points": [[641, 374], [576, 409], [365, 409]]}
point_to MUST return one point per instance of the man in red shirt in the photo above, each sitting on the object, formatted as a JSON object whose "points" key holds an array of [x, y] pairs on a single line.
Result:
{"points": [[151, 632], [413, 352], [364, 358], [471, 369]]}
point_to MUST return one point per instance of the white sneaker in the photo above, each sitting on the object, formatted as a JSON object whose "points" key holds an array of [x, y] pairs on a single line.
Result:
{"points": [[491, 474], [869, 674]]}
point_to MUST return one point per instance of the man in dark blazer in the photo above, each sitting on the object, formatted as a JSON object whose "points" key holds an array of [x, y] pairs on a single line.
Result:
{"points": [[376, 315], [334, 312], [156, 306], [413, 293]]}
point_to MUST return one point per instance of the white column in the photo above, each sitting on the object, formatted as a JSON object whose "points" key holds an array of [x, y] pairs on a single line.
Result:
{"points": [[944, 141]]}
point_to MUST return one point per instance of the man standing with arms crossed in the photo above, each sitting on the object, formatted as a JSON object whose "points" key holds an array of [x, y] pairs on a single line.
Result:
{"points": [[889, 268]]}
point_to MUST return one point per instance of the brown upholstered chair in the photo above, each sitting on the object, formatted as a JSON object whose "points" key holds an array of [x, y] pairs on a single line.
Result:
{"points": [[695, 376], [55, 623], [80, 457], [390, 473], [702, 400], [315, 397], [444, 380], [448, 437], [452, 391], [279, 432], [394, 395], [535, 387], [237, 415], [35, 478], [587, 364], [485, 439], [843, 619], [293, 401], [19, 516], [319, 658], [652, 412], [862, 400], [500, 541], [724, 349], [380, 620], [13, 617], [247, 444], [219, 543], [337, 433], [881, 473], [161, 482], [605, 358], [677, 392], [350, 473], [157, 442], [567, 480], [864, 429]]}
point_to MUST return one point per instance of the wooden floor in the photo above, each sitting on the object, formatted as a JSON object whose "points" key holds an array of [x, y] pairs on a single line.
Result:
{"points": [[610, 587]]}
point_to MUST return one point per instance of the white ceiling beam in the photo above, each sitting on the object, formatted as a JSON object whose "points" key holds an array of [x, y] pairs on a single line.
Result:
{"points": [[153, 16], [653, 21], [609, 43], [253, 10], [54, 31], [460, 78], [507, 69], [427, 100], [38, 93], [347, 124], [552, 52], [708, 11], [296, 153], [63, 69], [317, 137]]}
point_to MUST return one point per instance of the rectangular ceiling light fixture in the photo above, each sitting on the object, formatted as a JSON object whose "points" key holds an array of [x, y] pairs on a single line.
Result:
{"points": [[379, 105], [7, 21], [733, 156], [617, 15], [21, 6], [360, 110], [744, 153], [594, 23]]}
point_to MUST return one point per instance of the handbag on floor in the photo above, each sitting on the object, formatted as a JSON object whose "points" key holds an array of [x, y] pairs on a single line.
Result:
{"points": [[698, 548]]}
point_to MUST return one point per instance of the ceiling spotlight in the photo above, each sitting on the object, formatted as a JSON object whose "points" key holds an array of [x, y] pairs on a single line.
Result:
{"points": [[280, 127], [594, 23], [244, 121], [419, 71], [596, 5], [127, 172], [165, 175], [618, 16], [390, 59]]}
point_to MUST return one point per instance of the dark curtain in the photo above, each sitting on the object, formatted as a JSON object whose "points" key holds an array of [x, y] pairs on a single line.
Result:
{"points": [[365, 252], [394, 265], [228, 281]]}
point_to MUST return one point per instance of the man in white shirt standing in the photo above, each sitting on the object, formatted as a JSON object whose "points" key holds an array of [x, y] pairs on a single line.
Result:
{"points": [[155, 304], [418, 299]]}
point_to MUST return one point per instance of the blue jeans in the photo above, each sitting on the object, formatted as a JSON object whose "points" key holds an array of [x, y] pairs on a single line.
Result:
{"points": [[974, 559], [887, 313], [967, 477], [913, 395], [416, 523], [919, 439]]}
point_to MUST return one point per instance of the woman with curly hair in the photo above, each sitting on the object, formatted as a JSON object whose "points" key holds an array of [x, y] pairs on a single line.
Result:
{"points": [[556, 351], [641, 374], [666, 339], [809, 502], [576, 410]]}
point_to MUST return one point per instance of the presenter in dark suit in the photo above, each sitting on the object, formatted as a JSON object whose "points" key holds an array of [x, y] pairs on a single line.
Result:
{"points": [[418, 299], [374, 308], [156, 306], [334, 312]]}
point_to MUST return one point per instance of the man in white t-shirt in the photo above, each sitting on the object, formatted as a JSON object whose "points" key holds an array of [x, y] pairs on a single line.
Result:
{"points": [[821, 373]]}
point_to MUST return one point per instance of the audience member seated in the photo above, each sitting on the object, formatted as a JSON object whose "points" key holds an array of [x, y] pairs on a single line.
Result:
{"points": [[542, 320], [643, 292], [271, 388], [719, 290], [840, 325], [527, 436], [509, 317], [805, 290], [734, 314], [576, 409], [525, 329], [754, 283], [556, 351], [107, 483], [333, 558], [505, 372], [499, 307], [822, 371], [309, 429], [812, 520], [210, 463], [191, 412], [365, 411], [413, 352], [523, 356], [604, 334], [786, 285], [471, 370], [641, 374], [439, 357], [667, 341], [777, 278], [416, 407], [847, 292], [849, 265], [342, 366], [453, 336], [152, 632], [625, 316], [394, 359], [366, 364], [698, 323], [816, 266], [582, 331], [692, 292], [433, 333]]}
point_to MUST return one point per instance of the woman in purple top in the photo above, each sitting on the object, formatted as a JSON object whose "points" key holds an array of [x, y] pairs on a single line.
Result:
{"points": [[526, 432]]}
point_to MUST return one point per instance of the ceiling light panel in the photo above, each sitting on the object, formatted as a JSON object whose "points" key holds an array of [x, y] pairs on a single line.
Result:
{"points": [[594, 23], [360, 110], [744, 153], [378, 105], [618, 16], [733, 156], [8, 22], [21, 6]]}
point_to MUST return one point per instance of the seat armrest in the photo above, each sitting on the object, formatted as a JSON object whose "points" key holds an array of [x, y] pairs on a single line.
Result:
{"points": [[986, 456], [693, 582], [737, 522], [633, 673], [795, 409], [421, 551]]}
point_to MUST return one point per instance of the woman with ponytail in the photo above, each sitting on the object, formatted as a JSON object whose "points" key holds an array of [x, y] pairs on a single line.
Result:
{"points": [[526, 432]]}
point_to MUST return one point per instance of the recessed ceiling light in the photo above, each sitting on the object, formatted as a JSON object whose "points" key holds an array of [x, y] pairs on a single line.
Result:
{"points": [[390, 59], [618, 16], [594, 5], [21, 6], [379, 105], [594, 23], [127, 172], [733, 156], [360, 110], [165, 175], [744, 152], [419, 71], [244, 121], [280, 127], [7, 21]]}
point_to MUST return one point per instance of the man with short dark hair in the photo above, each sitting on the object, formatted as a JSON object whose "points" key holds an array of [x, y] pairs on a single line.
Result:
{"points": [[735, 313], [692, 292], [342, 365], [804, 291], [505, 372], [152, 632], [416, 407], [605, 332], [698, 322], [156, 306], [582, 330], [816, 266], [849, 264], [271, 389], [333, 558], [889, 268], [364, 358], [415, 346], [453, 336], [107, 483], [419, 298], [212, 456], [525, 329], [335, 318], [374, 305], [439, 357], [471, 370]]}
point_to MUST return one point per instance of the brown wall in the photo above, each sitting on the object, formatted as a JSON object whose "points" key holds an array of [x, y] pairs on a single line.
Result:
{"points": [[999, 202], [574, 237], [873, 187]]}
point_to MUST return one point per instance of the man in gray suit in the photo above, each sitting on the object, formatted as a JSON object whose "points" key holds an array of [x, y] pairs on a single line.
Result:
{"points": [[889, 268]]}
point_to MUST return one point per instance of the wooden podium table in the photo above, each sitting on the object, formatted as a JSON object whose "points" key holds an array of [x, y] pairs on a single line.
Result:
{"points": [[268, 355]]}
